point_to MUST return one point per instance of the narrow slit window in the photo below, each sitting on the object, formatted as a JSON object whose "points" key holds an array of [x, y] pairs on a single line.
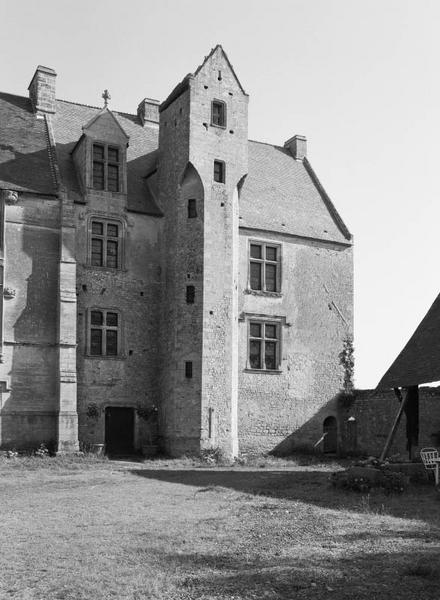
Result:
{"points": [[192, 208], [190, 294], [219, 171], [188, 369]]}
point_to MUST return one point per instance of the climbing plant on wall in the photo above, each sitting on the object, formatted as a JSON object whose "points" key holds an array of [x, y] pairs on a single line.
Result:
{"points": [[346, 359]]}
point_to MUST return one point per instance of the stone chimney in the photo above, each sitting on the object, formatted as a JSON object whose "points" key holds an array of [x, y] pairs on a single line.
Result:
{"points": [[42, 90], [297, 145], [148, 111]]}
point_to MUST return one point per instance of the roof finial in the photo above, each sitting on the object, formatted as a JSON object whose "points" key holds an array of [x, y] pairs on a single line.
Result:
{"points": [[106, 97]]}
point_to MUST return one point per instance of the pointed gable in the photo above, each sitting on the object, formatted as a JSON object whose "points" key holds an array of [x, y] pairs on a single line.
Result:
{"points": [[105, 127], [217, 60]]}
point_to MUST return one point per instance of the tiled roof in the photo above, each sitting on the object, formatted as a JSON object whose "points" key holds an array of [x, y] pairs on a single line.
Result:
{"points": [[24, 156], [419, 361], [279, 194], [282, 194], [68, 123]]}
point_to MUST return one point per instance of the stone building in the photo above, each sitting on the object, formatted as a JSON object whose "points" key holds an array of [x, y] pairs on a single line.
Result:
{"points": [[160, 264]]}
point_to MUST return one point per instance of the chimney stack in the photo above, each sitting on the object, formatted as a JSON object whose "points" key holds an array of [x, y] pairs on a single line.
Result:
{"points": [[297, 145], [148, 111], [42, 90]]}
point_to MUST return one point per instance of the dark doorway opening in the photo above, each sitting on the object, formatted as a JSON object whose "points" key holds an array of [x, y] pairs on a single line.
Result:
{"points": [[330, 427], [119, 430]]}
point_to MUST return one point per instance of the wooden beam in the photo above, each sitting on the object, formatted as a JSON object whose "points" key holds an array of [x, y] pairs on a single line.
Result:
{"points": [[395, 426]]}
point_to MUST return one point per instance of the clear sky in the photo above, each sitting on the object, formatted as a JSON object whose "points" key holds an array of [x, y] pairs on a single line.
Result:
{"points": [[359, 78]]}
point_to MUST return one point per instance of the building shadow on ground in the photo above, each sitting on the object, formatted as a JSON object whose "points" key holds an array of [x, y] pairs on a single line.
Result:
{"points": [[311, 486], [354, 576]]}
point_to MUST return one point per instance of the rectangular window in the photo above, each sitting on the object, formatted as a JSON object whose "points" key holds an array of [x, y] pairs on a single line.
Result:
{"points": [[188, 369], [218, 113], [104, 333], [264, 345], [106, 168], [264, 267], [190, 294], [219, 171], [105, 244], [192, 208]]}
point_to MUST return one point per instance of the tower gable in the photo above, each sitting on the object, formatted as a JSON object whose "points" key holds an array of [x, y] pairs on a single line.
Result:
{"points": [[217, 65]]}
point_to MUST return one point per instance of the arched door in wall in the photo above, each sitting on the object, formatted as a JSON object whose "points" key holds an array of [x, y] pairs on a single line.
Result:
{"points": [[330, 429]]}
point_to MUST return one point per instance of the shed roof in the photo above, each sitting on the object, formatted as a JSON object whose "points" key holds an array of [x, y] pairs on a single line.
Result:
{"points": [[419, 361]]}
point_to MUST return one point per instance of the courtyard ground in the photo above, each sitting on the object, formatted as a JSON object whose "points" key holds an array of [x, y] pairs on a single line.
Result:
{"points": [[84, 529]]}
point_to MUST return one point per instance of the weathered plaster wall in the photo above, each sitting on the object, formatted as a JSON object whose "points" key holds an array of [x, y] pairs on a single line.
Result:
{"points": [[29, 368], [288, 407]]}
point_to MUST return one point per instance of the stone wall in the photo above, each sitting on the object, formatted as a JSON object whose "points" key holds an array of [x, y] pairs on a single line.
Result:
{"points": [[29, 370], [286, 408], [374, 413]]}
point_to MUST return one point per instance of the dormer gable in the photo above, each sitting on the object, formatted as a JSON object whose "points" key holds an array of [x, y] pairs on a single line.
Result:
{"points": [[100, 155]]}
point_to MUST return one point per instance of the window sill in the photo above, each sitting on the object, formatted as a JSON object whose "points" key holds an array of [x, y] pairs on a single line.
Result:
{"points": [[218, 126], [100, 357], [265, 371], [108, 269], [263, 293]]}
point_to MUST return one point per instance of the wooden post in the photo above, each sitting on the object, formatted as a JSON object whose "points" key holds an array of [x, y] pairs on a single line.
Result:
{"points": [[393, 431]]}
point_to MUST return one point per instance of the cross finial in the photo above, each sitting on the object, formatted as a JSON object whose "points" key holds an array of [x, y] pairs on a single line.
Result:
{"points": [[106, 97]]}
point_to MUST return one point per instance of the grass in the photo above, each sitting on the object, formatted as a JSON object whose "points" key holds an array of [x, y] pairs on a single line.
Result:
{"points": [[88, 528]]}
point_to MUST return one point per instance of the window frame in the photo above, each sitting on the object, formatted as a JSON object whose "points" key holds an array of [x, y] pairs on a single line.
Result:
{"points": [[104, 328], [222, 164], [192, 208], [264, 262], [223, 113], [105, 221], [106, 162], [263, 339]]}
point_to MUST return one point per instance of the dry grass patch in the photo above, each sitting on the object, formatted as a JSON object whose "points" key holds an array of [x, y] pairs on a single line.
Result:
{"points": [[96, 529]]}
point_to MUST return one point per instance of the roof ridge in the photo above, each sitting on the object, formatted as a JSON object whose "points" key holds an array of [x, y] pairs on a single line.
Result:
{"points": [[15, 95], [119, 112], [267, 144]]}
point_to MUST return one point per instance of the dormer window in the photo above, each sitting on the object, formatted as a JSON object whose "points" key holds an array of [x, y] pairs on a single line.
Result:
{"points": [[218, 113], [106, 168]]}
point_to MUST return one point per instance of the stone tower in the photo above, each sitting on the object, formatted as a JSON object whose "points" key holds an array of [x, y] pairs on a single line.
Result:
{"points": [[203, 161]]}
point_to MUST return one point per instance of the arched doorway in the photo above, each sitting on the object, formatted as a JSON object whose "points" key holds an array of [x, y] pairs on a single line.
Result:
{"points": [[330, 430]]}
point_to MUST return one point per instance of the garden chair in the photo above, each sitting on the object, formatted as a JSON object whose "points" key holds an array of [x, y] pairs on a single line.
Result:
{"points": [[429, 456]]}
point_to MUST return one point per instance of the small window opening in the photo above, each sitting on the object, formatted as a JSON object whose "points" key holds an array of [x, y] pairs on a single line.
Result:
{"points": [[190, 294], [192, 208], [188, 369], [218, 113], [219, 171], [219, 76]]}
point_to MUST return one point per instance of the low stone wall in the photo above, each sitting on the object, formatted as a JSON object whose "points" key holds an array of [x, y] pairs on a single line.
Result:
{"points": [[364, 420], [374, 412]]}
